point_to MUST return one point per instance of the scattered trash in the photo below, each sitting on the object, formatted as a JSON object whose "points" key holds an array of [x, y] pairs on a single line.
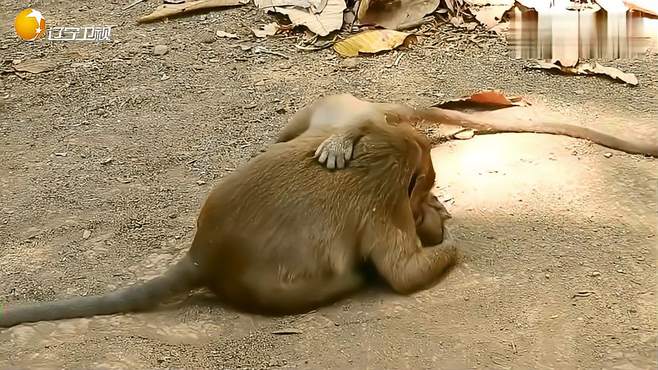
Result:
{"points": [[227, 35], [86, 234], [167, 10], [200, 182], [595, 274], [373, 41], [269, 29], [61, 154], [107, 161], [160, 50], [395, 15], [590, 69], [607, 155], [35, 66], [287, 331]]}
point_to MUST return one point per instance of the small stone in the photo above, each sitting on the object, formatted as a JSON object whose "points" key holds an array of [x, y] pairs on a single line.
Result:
{"points": [[107, 161], [596, 273], [349, 63], [160, 50], [607, 155], [200, 182], [207, 37], [86, 234], [635, 328], [173, 215], [61, 154], [547, 276]]}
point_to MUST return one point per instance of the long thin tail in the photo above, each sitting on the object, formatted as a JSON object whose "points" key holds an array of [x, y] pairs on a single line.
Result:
{"points": [[180, 278], [515, 124]]}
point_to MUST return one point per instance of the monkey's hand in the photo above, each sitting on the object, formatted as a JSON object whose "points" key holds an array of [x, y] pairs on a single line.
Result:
{"points": [[449, 244], [335, 150]]}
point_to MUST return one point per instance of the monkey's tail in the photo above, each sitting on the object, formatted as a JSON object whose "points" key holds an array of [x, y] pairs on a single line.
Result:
{"points": [[472, 121], [182, 277]]}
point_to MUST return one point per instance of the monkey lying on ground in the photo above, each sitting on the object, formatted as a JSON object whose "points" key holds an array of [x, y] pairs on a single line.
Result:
{"points": [[284, 235], [346, 116]]}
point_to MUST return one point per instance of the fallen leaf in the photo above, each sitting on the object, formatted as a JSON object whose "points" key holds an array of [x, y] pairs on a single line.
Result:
{"points": [[454, 5], [167, 10], [590, 69], [490, 15], [392, 15], [316, 6], [227, 35], [486, 98], [321, 16], [373, 41], [323, 23], [646, 6], [269, 29], [35, 66]]}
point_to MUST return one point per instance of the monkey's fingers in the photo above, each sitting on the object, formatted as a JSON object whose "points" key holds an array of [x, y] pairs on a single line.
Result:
{"points": [[348, 152], [331, 161], [323, 155], [340, 161]]}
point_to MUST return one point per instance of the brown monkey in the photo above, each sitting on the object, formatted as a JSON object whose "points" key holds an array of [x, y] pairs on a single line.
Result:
{"points": [[346, 116], [284, 235]]}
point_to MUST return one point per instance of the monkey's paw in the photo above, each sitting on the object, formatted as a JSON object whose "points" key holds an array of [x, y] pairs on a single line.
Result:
{"points": [[335, 151]]}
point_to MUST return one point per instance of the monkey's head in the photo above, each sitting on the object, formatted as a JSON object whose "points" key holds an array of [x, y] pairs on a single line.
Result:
{"points": [[429, 214]]}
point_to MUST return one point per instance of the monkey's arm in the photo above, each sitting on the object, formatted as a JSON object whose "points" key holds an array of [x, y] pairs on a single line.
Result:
{"points": [[297, 124], [357, 120], [407, 266]]}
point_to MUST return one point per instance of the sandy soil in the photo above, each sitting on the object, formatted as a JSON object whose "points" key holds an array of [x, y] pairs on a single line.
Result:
{"points": [[145, 137]]}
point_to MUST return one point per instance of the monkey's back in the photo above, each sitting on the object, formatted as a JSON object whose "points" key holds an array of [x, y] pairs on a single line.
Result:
{"points": [[286, 215]]}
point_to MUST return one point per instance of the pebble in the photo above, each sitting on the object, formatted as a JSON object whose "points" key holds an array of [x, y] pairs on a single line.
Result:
{"points": [[207, 38], [200, 182], [160, 50], [86, 234], [607, 155], [596, 273]]}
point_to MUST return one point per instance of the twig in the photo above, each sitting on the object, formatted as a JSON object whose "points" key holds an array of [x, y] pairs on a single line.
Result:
{"points": [[260, 49], [132, 4]]}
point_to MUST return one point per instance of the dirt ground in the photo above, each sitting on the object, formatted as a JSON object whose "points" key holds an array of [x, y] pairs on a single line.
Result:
{"points": [[105, 162]]}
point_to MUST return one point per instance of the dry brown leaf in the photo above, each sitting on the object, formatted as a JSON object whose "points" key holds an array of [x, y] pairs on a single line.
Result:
{"points": [[373, 41], [323, 23], [484, 99], [489, 12], [36, 66], [392, 15], [454, 5], [269, 29], [167, 10], [646, 6], [314, 5], [591, 69]]}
